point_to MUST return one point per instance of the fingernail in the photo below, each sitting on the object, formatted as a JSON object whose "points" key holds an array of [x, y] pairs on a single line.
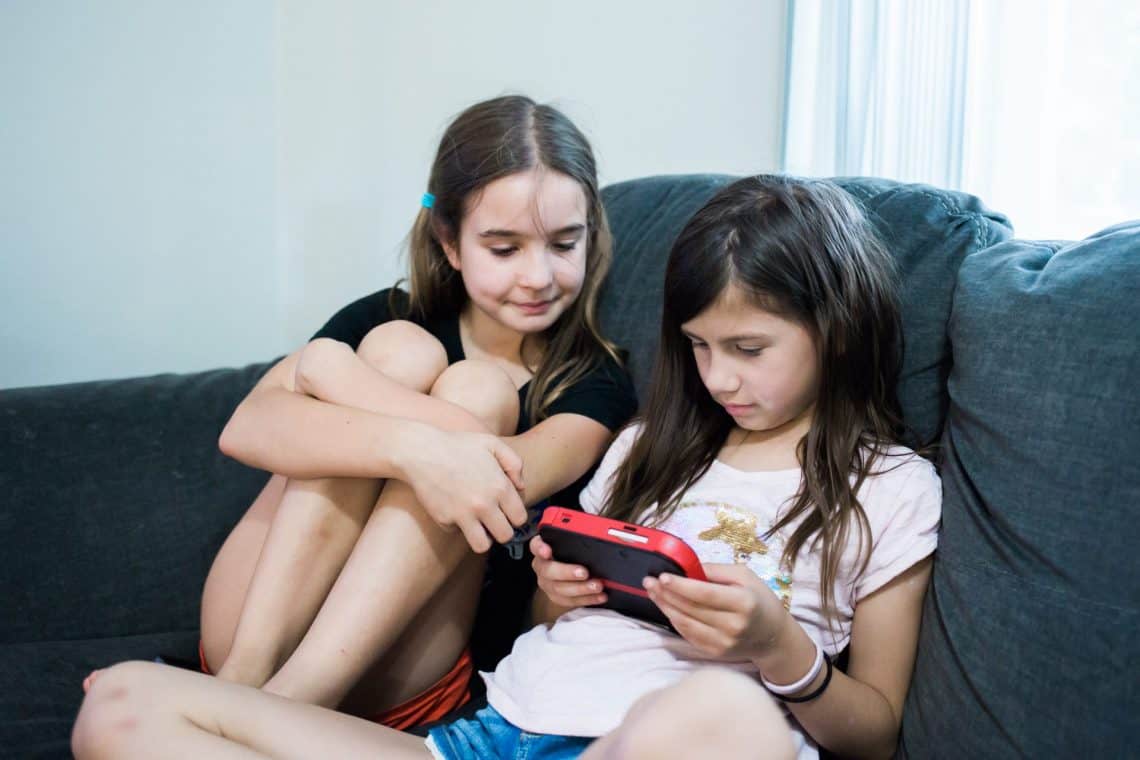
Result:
{"points": [[665, 578], [595, 587], [580, 573]]}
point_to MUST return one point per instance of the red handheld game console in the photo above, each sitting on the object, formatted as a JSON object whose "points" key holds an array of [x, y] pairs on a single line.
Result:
{"points": [[620, 555]]}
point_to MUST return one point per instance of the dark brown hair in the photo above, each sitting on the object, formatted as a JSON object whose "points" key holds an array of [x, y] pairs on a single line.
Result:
{"points": [[490, 140], [802, 249]]}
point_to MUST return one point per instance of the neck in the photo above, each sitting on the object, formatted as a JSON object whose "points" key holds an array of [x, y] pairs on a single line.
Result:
{"points": [[775, 448], [490, 337]]}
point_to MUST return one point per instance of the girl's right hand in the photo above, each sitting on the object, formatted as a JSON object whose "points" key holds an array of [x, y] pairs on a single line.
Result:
{"points": [[566, 585], [469, 481]]}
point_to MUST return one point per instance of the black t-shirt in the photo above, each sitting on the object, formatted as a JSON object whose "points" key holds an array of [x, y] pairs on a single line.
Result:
{"points": [[605, 395]]}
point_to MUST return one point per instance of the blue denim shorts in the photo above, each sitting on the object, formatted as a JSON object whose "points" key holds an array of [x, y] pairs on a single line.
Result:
{"points": [[489, 735]]}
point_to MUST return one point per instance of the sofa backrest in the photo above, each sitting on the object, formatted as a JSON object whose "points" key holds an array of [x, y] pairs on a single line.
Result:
{"points": [[929, 231], [115, 500]]}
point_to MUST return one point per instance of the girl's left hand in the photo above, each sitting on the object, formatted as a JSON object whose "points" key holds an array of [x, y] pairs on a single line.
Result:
{"points": [[733, 614]]}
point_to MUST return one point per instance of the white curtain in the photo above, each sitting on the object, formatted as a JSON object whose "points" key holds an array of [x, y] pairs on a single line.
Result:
{"points": [[876, 87], [1033, 105]]}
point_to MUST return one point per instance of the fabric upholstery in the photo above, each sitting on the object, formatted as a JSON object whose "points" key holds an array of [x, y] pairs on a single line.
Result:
{"points": [[1029, 635]]}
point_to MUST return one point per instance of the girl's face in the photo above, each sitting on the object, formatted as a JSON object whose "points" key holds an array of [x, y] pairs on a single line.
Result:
{"points": [[522, 249], [762, 368]]}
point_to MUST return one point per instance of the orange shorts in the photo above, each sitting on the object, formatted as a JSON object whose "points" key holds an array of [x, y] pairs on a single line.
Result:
{"points": [[449, 693]]}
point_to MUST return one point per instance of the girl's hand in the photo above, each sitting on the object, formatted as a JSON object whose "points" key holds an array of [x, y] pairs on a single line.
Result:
{"points": [[469, 481], [732, 615], [566, 585]]}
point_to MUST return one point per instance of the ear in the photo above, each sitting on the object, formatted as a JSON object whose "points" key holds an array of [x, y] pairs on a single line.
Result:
{"points": [[451, 250], [448, 242]]}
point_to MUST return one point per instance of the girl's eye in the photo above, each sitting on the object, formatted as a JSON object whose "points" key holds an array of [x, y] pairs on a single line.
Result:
{"points": [[749, 351], [698, 345], [504, 250], [565, 247]]}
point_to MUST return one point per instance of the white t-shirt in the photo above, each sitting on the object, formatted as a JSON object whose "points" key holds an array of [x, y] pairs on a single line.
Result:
{"points": [[579, 676]]}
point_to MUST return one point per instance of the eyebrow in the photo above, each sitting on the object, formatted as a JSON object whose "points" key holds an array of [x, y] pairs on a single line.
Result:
{"points": [[567, 230], [730, 338]]}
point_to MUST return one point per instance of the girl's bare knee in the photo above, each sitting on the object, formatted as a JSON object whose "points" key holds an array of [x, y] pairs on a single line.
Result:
{"points": [[314, 362], [483, 389], [722, 711], [112, 711], [405, 352]]}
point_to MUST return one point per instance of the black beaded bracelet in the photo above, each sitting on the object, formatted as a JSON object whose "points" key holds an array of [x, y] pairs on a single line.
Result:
{"points": [[817, 692]]}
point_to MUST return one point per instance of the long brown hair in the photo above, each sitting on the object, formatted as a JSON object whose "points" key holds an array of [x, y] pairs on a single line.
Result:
{"points": [[802, 249], [490, 140]]}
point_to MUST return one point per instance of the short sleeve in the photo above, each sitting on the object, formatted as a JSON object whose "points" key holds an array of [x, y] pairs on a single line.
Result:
{"points": [[606, 395], [353, 322], [594, 495], [905, 530]]}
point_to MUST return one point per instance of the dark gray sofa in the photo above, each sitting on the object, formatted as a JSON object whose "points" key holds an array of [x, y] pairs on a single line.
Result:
{"points": [[1021, 358]]}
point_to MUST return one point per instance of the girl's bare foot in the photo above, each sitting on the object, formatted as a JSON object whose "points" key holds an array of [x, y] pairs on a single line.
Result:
{"points": [[90, 679]]}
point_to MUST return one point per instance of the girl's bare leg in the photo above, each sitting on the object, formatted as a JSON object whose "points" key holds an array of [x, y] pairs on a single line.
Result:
{"points": [[278, 564], [397, 571], [143, 710], [428, 647], [712, 713]]}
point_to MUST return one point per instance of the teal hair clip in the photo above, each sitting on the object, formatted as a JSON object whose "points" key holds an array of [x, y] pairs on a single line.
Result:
{"points": [[428, 200]]}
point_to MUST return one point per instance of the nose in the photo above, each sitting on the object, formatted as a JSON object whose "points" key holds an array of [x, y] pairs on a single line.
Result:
{"points": [[721, 377], [536, 272]]}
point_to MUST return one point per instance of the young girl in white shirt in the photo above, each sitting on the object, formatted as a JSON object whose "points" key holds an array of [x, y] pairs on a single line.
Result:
{"points": [[769, 443]]}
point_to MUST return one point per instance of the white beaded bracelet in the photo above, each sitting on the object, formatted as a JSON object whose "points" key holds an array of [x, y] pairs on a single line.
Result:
{"points": [[800, 685]]}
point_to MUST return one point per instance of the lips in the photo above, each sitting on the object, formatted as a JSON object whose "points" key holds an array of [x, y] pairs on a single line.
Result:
{"points": [[534, 307], [737, 409]]}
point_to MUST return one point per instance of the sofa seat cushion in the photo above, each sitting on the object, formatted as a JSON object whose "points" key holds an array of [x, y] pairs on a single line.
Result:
{"points": [[43, 685]]}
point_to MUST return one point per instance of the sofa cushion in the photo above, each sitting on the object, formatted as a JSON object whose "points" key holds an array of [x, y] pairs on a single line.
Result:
{"points": [[43, 685], [1029, 636], [116, 500], [928, 230]]}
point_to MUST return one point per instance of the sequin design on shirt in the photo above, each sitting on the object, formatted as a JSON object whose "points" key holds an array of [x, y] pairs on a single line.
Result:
{"points": [[723, 532]]}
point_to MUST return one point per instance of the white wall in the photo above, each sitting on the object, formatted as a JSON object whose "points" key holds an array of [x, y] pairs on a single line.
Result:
{"points": [[137, 187], [195, 185]]}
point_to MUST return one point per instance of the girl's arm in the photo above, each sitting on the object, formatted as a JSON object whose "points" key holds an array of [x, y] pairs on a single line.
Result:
{"points": [[347, 420], [278, 430], [558, 451], [859, 714], [465, 479]]}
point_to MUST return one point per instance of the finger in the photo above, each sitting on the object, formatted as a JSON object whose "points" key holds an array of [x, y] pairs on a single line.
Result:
{"points": [[718, 596], [698, 633], [476, 537], [722, 620], [561, 571], [513, 508], [730, 573], [511, 463], [576, 601], [540, 548], [496, 524], [575, 589]]}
